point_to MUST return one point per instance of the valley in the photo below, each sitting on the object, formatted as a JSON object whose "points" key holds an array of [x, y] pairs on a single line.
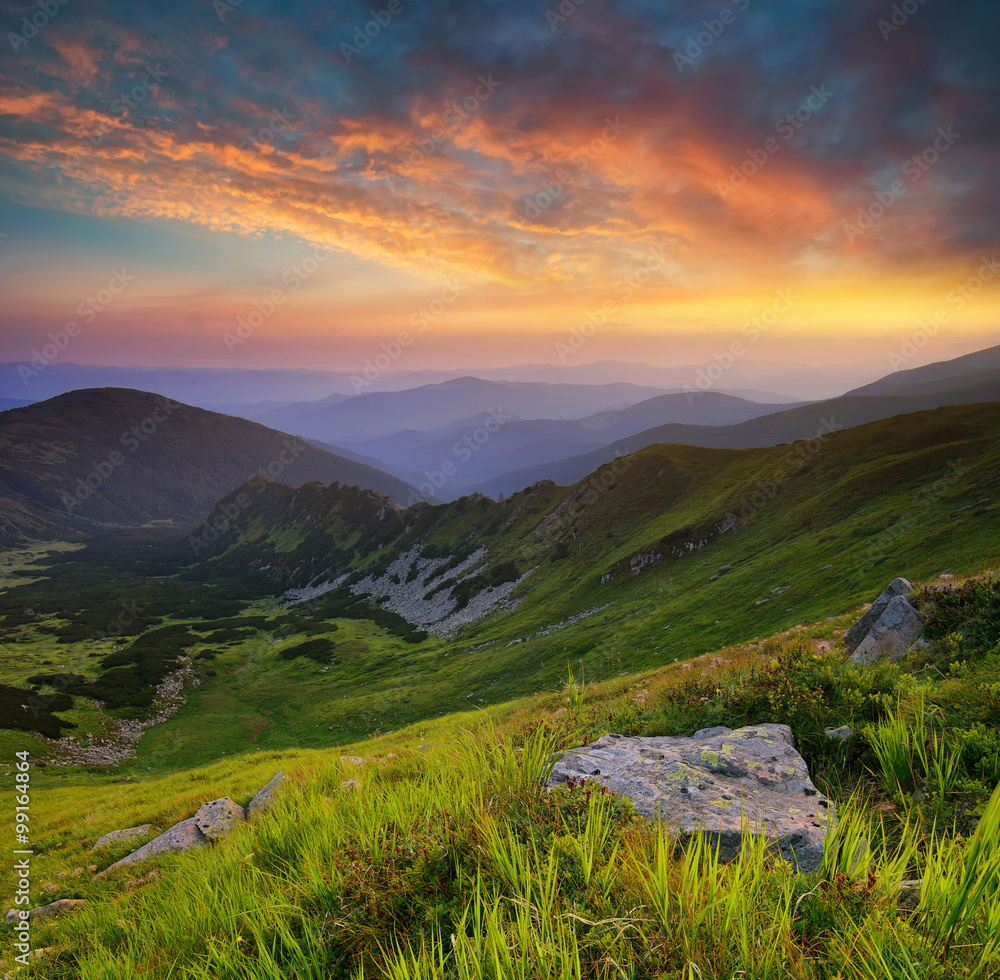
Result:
{"points": [[369, 646], [497, 492]]}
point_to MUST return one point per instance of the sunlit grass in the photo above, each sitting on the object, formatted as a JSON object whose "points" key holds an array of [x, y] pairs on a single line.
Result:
{"points": [[454, 862]]}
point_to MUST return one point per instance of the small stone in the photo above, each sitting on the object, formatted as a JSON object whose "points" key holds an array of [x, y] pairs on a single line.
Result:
{"points": [[50, 911], [909, 894], [843, 734], [262, 801]]}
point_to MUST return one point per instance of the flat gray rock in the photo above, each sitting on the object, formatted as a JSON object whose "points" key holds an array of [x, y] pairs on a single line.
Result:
{"points": [[897, 629], [183, 836], [119, 835], [50, 911], [854, 636], [217, 818], [719, 780], [261, 803]]}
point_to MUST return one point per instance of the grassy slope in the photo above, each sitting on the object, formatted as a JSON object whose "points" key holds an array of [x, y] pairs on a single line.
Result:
{"points": [[867, 505], [441, 831]]}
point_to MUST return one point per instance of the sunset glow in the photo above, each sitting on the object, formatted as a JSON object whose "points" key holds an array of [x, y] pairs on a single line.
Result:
{"points": [[533, 166]]}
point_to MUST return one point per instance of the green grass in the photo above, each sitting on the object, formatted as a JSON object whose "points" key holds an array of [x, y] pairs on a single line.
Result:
{"points": [[452, 862], [866, 505], [440, 856], [371, 871]]}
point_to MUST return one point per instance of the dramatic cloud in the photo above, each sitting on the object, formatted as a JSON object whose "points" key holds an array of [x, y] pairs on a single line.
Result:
{"points": [[527, 148]]}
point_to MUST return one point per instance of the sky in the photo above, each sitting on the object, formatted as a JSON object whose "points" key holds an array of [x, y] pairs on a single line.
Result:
{"points": [[448, 183]]}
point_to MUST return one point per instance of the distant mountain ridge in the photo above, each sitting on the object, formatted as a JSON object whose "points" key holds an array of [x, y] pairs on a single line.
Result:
{"points": [[520, 442], [969, 369], [768, 430], [100, 458], [899, 487], [382, 413]]}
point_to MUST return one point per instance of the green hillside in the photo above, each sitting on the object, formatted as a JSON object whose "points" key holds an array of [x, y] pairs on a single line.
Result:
{"points": [[667, 554], [434, 852]]}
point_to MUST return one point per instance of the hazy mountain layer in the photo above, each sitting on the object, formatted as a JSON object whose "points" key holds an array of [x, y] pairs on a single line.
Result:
{"points": [[487, 445], [109, 457], [779, 427]]}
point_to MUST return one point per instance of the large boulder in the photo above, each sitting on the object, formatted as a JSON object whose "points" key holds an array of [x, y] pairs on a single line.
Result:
{"points": [[721, 781], [217, 818], [183, 836], [895, 631], [261, 803], [854, 636]]}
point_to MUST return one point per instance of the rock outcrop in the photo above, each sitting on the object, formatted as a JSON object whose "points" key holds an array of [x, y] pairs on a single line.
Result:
{"points": [[854, 636], [261, 803], [119, 835], [183, 836], [727, 783], [897, 629], [211, 823]]}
